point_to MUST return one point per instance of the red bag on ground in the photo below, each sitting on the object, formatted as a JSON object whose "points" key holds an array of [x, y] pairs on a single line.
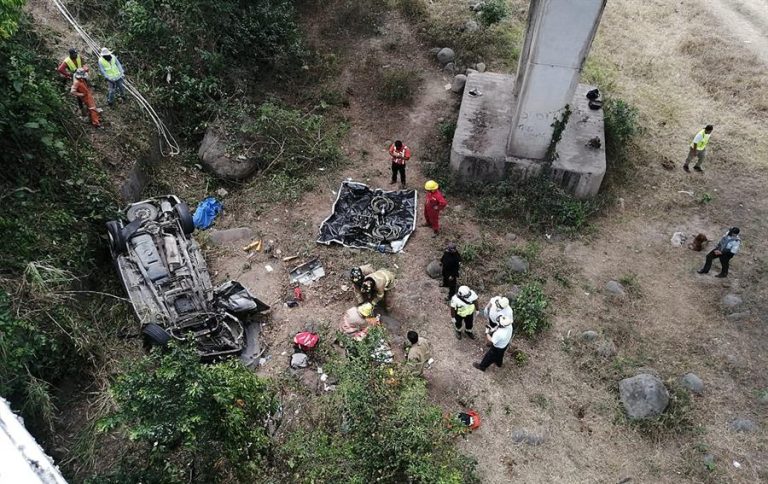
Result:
{"points": [[306, 340]]}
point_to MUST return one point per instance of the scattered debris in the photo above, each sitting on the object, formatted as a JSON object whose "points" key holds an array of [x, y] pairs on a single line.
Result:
{"points": [[299, 360], [308, 272], [253, 246], [678, 239], [222, 192], [290, 258], [269, 268], [206, 213]]}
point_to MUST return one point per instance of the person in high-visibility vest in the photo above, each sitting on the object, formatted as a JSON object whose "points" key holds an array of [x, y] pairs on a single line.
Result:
{"points": [[400, 154], [67, 69], [698, 148], [70, 64], [82, 90], [112, 70]]}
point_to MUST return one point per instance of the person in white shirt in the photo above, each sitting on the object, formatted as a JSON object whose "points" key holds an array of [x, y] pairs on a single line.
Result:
{"points": [[499, 340], [497, 306], [728, 247]]}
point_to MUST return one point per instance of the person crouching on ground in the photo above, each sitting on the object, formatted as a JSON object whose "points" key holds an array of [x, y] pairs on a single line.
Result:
{"points": [[377, 285], [357, 320], [418, 353], [728, 246], [499, 341], [357, 275]]}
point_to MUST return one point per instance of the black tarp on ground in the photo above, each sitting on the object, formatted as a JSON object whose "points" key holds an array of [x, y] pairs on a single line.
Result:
{"points": [[365, 218]]}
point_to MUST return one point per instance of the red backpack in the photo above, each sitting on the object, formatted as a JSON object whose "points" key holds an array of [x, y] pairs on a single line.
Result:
{"points": [[306, 340]]}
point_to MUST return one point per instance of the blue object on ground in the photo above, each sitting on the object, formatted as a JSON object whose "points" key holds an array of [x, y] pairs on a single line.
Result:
{"points": [[206, 213]]}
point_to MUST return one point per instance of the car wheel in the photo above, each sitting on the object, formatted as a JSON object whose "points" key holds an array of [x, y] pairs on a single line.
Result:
{"points": [[143, 211], [155, 334], [116, 239], [185, 218]]}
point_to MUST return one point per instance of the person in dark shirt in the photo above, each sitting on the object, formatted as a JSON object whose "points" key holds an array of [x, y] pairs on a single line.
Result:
{"points": [[451, 262], [728, 246]]}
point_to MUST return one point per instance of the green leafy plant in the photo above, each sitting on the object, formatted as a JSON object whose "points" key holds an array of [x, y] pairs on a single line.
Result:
{"points": [[493, 11], [189, 418], [378, 425], [399, 85], [530, 310], [705, 198], [621, 126]]}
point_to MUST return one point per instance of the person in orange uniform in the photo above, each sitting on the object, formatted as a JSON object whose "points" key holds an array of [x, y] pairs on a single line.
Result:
{"points": [[82, 90], [400, 155], [435, 202], [67, 69]]}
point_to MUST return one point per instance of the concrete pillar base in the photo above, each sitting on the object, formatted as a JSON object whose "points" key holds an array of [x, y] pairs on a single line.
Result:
{"points": [[479, 150]]}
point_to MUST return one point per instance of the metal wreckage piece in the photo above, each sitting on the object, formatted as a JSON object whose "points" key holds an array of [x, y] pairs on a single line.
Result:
{"points": [[373, 219]]}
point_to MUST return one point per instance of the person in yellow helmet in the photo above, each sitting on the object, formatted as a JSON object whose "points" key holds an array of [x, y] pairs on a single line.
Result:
{"points": [[434, 203], [357, 320], [698, 148]]}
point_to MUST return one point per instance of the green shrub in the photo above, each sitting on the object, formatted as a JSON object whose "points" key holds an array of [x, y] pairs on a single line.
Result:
{"points": [[206, 422], [413, 9], [399, 85], [493, 12], [621, 126], [530, 310], [377, 426]]}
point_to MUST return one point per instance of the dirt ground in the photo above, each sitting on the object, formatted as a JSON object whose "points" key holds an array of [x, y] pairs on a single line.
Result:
{"points": [[671, 321]]}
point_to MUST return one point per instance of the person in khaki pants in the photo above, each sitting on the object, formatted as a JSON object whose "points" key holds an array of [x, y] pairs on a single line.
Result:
{"points": [[698, 148]]}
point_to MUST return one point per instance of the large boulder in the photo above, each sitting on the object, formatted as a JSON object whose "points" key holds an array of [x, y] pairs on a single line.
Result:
{"points": [[445, 55], [213, 155], [643, 396], [435, 269], [458, 83], [693, 383], [517, 264]]}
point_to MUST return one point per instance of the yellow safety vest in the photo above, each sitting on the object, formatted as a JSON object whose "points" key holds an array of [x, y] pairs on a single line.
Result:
{"points": [[702, 145], [72, 65], [110, 68]]}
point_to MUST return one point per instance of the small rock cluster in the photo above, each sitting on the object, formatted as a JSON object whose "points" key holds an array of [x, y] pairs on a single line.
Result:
{"points": [[446, 57]]}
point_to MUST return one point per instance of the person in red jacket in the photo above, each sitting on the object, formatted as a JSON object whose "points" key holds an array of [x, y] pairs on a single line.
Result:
{"points": [[82, 90], [400, 154], [435, 202]]}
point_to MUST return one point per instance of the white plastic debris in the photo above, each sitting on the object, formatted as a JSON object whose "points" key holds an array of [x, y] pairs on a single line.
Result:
{"points": [[268, 268], [430, 361], [736, 465]]}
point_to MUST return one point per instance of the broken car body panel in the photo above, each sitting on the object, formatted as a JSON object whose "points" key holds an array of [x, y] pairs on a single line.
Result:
{"points": [[165, 275]]}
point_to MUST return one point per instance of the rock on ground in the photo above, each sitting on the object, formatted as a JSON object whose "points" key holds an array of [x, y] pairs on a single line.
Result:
{"points": [[523, 437], [589, 335], [214, 157], [607, 349], [222, 237], [693, 383], [480, 67], [458, 83], [643, 396], [738, 316], [435, 269], [471, 26], [742, 425], [615, 288], [434, 50], [517, 264], [731, 300], [445, 55]]}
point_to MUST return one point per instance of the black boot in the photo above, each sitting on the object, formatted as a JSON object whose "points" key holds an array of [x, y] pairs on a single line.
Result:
{"points": [[458, 334]]}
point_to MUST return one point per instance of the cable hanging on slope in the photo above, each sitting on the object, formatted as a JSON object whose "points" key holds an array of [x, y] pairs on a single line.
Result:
{"points": [[168, 144]]}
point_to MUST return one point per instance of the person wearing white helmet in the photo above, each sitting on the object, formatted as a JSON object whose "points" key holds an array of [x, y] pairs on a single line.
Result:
{"points": [[496, 307], [463, 307], [499, 341], [113, 72]]}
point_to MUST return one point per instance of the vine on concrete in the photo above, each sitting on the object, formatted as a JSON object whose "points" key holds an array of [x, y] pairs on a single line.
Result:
{"points": [[559, 126]]}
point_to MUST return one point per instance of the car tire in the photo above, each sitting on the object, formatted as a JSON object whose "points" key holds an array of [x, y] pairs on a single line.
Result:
{"points": [[185, 218], [155, 335], [145, 211], [117, 242]]}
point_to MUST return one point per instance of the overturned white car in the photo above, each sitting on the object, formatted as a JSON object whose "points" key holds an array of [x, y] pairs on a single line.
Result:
{"points": [[167, 280]]}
